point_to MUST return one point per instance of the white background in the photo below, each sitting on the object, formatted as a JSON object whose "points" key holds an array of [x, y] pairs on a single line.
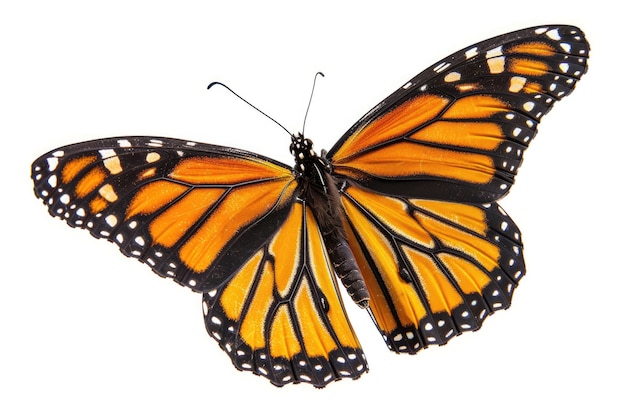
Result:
{"points": [[85, 331]]}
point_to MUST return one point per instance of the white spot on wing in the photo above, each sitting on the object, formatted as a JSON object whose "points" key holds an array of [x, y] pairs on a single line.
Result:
{"points": [[441, 67], [494, 52], [53, 163], [516, 84], [152, 157], [496, 65], [452, 77], [107, 153], [471, 53], [108, 193], [554, 34], [111, 220], [111, 161]]}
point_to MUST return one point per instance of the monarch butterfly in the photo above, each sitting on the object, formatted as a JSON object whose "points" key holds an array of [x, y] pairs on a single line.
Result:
{"points": [[402, 209]]}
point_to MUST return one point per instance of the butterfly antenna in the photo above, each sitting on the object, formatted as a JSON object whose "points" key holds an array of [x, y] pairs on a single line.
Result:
{"points": [[248, 103], [310, 100]]}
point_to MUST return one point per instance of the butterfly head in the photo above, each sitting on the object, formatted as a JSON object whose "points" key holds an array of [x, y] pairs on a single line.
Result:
{"points": [[302, 150]]}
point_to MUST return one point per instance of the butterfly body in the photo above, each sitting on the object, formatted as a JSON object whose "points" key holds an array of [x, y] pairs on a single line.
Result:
{"points": [[319, 189], [403, 209]]}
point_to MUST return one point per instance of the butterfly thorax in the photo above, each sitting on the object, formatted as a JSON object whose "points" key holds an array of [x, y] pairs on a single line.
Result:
{"points": [[311, 169], [317, 186], [302, 150]]}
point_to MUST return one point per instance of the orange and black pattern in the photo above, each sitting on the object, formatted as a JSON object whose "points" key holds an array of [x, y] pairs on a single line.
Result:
{"points": [[433, 268], [458, 130], [421, 172], [224, 222], [402, 211], [164, 201], [288, 313]]}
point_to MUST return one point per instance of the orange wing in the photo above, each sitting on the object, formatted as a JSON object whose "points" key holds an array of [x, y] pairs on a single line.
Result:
{"points": [[420, 173], [433, 269], [458, 130], [224, 222], [281, 315], [192, 212]]}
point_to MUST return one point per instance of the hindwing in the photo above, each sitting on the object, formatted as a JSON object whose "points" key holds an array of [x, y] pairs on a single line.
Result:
{"points": [[281, 315], [433, 268]]}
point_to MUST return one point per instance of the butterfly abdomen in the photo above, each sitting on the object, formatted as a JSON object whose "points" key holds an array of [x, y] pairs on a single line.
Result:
{"points": [[346, 268]]}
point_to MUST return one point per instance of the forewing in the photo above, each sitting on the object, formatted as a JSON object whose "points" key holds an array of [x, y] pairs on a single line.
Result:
{"points": [[458, 130], [192, 212], [281, 315], [433, 269]]}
